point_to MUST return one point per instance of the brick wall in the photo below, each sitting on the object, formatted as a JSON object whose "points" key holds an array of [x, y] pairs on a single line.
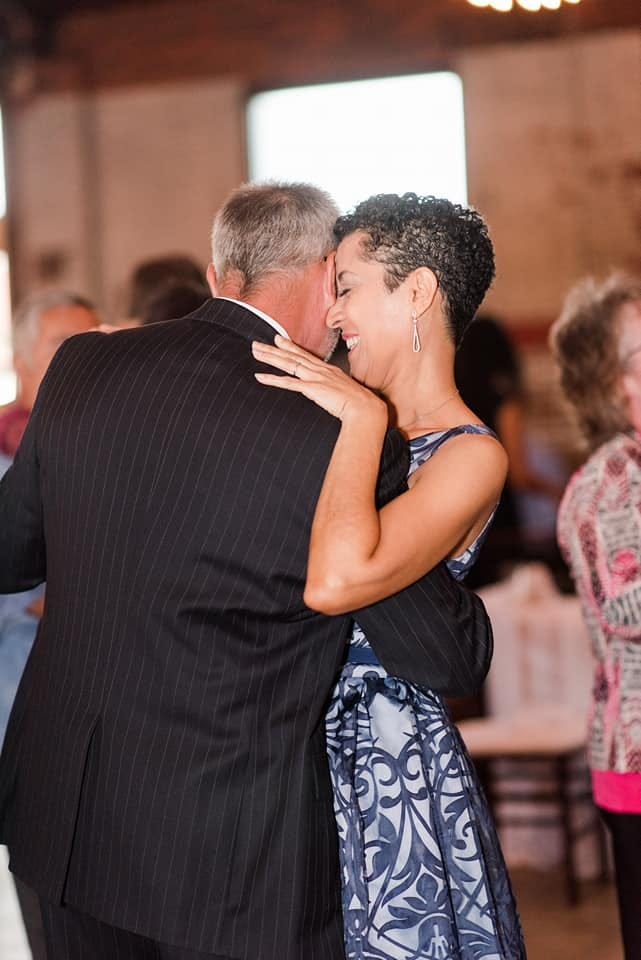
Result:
{"points": [[103, 175], [101, 181]]}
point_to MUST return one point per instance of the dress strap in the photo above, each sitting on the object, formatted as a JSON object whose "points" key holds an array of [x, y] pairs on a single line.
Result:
{"points": [[479, 428], [423, 447]]}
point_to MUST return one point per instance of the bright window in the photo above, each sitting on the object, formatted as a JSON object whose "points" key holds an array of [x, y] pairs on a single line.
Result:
{"points": [[7, 378], [370, 136]]}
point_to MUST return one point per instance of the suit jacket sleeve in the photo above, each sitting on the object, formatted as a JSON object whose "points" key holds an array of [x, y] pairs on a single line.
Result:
{"points": [[435, 632], [22, 544]]}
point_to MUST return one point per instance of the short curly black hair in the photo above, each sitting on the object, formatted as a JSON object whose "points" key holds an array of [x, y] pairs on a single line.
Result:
{"points": [[407, 232]]}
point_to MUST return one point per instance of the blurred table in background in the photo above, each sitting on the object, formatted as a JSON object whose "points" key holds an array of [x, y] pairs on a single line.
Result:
{"points": [[542, 652], [542, 658]]}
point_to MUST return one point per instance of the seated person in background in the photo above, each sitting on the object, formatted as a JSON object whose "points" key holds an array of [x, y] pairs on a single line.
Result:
{"points": [[597, 343], [488, 375], [39, 327], [155, 281]]}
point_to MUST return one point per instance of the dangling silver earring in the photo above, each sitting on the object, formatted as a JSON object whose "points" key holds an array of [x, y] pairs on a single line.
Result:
{"points": [[416, 340]]}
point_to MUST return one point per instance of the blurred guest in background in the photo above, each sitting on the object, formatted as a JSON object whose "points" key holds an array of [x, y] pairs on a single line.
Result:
{"points": [[172, 300], [39, 327], [164, 288], [597, 342], [488, 375]]}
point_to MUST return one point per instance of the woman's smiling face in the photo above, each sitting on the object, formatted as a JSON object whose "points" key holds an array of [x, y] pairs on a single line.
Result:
{"points": [[373, 320]]}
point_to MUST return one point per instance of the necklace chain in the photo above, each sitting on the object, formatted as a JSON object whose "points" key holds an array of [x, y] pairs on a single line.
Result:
{"points": [[428, 413]]}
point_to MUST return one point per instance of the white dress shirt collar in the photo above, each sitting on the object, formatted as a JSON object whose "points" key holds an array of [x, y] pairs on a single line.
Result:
{"points": [[259, 313]]}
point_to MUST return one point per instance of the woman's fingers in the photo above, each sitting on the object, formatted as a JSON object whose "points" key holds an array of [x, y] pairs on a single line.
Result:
{"points": [[327, 397], [296, 364], [284, 383], [281, 359], [320, 382], [289, 365], [282, 343], [285, 355], [306, 374]]}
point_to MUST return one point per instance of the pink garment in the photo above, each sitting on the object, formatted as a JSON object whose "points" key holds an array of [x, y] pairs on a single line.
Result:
{"points": [[599, 529], [12, 425], [618, 792]]}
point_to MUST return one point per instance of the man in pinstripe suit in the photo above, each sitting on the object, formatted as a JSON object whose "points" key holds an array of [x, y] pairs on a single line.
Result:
{"points": [[164, 785]]}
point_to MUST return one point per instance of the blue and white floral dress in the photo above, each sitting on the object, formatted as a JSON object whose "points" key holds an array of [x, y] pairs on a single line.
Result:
{"points": [[422, 871]]}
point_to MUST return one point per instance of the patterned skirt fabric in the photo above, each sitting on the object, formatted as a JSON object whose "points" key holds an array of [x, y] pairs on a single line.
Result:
{"points": [[423, 875]]}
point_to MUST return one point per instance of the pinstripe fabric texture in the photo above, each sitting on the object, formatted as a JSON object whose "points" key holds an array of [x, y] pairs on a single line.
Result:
{"points": [[164, 770], [77, 936]]}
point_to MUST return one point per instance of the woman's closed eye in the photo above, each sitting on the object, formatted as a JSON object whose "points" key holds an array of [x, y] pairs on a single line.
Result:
{"points": [[343, 292]]}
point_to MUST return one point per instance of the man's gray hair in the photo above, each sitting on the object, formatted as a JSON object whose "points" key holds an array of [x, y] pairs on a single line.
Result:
{"points": [[272, 228], [26, 319]]}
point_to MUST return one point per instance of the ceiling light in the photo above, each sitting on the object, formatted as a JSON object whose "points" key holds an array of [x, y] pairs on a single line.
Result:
{"points": [[503, 6]]}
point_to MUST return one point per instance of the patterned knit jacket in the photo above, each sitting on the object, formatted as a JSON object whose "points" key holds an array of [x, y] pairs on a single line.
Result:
{"points": [[599, 530]]}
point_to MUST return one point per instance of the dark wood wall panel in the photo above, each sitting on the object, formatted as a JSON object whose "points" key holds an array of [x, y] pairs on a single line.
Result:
{"points": [[278, 42]]}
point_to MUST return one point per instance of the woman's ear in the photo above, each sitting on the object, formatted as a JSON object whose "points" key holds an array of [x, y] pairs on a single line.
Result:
{"points": [[424, 289]]}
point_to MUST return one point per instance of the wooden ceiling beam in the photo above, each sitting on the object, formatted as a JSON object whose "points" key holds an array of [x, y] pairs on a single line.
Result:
{"points": [[285, 41]]}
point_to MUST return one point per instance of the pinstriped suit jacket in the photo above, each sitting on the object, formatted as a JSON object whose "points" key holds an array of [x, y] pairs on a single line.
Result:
{"points": [[164, 768]]}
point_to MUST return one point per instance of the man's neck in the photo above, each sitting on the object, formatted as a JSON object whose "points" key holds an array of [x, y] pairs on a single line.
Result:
{"points": [[259, 313], [277, 300], [298, 301]]}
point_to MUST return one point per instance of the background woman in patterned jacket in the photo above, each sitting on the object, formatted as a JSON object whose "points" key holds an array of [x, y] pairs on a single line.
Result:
{"points": [[597, 342]]}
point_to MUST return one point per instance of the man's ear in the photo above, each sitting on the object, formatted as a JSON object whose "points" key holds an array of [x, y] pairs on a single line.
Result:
{"points": [[424, 289], [212, 280], [330, 277]]}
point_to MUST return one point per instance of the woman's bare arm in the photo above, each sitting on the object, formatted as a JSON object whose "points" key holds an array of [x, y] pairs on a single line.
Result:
{"points": [[359, 555]]}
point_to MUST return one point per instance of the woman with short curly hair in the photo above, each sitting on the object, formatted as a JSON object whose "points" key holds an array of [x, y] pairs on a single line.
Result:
{"points": [[597, 344], [422, 870]]}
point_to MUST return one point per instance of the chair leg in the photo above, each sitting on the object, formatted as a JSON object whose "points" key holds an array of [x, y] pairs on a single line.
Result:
{"points": [[563, 779], [602, 848]]}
